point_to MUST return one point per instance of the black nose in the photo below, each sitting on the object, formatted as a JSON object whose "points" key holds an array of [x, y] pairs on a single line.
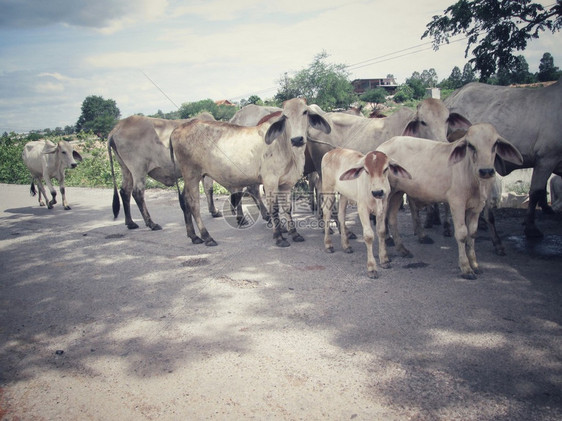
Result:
{"points": [[297, 141], [377, 194], [486, 172], [73, 165]]}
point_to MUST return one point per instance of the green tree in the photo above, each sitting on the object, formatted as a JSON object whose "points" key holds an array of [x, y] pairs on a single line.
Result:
{"points": [[377, 95], [321, 83], [496, 28], [547, 70], [455, 79], [220, 112], [98, 115], [467, 74], [417, 85], [254, 99]]}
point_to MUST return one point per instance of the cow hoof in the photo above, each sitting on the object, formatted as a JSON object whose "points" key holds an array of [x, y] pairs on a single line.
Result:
{"points": [[531, 231], [470, 276], [281, 242], [297, 238], [196, 240], [389, 242], [132, 226], [67, 207], [49, 205], [385, 265], [156, 227], [41, 204], [216, 214], [373, 274], [351, 236], [348, 250], [329, 250], [210, 242], [426, 240]]}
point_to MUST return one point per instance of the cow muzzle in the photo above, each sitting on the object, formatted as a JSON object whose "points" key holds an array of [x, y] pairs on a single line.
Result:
{"points": [[378, 194], [486, 173], [73, 165], [297, 141]]}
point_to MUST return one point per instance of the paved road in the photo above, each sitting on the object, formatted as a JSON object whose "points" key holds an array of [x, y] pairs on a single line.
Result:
{"points": [[99, 322]]}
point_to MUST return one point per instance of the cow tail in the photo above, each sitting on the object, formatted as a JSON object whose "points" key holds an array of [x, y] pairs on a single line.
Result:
{"points": [[116, 202], [32, 190], [180, 196]]}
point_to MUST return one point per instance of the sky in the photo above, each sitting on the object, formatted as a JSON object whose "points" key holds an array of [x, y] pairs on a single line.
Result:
{"points": [[151, 55]]}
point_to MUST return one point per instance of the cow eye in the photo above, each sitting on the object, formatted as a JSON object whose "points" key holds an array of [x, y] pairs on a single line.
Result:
{"points": [[305, 112]]}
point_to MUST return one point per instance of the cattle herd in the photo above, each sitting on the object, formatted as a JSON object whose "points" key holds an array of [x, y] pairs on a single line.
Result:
{"points": [[442, 152]]}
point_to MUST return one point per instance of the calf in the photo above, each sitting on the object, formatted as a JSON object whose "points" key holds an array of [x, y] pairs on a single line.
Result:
{"points": [[459, 173], [45, 160], [271, 153], [363, 179]]}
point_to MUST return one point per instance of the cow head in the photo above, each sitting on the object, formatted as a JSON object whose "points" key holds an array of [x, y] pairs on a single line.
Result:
{"points": [[65, 153], [433, 121], [482, 144], [376, 167], [293, 121]]}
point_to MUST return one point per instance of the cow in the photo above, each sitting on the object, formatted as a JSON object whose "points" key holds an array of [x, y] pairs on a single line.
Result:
{"points": [[431, 120], [363, 179], [141, 146], [251, 114], [459, 173], [271, 153], [45, 160], [531, 119]]}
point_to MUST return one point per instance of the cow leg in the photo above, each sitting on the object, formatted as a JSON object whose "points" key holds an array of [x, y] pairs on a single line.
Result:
{"points": [[236, 208], [191, 195], [537, 196], [447, 221], [394, 203], [327, 201], [286, 205], [254, 191], [271, 194], [138, 195], [368, 237], [416, 220], [53, 200], [461, 235], [208, 189], [41, 189], [125, 193], [488, 216], [342, 207], [63, 195], [472, 225], [384, 260]]}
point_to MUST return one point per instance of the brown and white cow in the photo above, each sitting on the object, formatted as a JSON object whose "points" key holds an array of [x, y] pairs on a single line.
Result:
{"points": [[271, 154], [459, 173], [141, 145], [45, 160], [363, 179]]}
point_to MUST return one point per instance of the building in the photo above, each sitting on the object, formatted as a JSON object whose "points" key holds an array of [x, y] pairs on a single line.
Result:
{"points": [[363, 85]]}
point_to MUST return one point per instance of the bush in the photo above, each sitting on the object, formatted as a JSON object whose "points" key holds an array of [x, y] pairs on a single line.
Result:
{"points": [[12, 168]]}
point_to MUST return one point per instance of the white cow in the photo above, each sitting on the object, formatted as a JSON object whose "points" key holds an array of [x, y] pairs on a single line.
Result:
{"points": [[363, 179], [459, 173], [45, 160], [271, 154], [531, 118]]}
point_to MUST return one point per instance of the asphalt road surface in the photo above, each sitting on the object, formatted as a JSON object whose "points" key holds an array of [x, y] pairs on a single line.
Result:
{"points": [[100, 322]]}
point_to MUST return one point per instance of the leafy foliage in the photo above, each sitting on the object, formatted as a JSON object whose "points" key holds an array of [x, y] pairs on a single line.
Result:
{"points": [[377, 95], [12, 168], [326, 85], [504, 25], [98, 115], [220, 112]]}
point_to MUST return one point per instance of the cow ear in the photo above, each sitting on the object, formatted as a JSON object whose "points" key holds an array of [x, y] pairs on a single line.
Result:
{"points": [[352, 173], [458, 153], [76, 156], [51, 149], [453, 136], [399, 171], [508, 152], [318, 122], [275, 130], [457, 122], [412, 129]]}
